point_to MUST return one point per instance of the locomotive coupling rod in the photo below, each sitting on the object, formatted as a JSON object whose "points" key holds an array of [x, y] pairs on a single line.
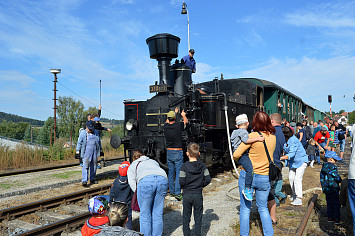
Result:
{"points": [[304, 221]]}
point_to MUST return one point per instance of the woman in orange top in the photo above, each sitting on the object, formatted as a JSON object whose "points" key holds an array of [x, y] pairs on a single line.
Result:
{"points": [[257, 154]]}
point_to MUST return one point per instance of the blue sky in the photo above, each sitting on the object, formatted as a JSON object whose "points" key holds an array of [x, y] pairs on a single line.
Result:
{"points": [[307, 47]]}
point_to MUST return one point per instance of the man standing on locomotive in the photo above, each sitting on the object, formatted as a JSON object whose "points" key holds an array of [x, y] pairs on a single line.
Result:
{"points": [[173, 139], [190, 61]]}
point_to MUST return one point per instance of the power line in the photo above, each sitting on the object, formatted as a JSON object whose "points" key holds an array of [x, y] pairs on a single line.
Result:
{"points": [[87, 99]]}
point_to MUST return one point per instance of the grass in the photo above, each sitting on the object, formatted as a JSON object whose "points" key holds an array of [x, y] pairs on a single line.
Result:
{"points": [[5, 186], [23, 157], [66, 175]]}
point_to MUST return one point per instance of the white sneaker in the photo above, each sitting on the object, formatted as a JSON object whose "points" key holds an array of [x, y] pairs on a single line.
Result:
{"points": [[297, 202]]}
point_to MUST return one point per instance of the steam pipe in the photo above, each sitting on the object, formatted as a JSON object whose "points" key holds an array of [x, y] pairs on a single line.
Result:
{"points": [[225, 108]]}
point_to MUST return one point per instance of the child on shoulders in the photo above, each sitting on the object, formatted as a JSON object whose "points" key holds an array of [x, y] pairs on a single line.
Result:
{"points": [[241, 135]]}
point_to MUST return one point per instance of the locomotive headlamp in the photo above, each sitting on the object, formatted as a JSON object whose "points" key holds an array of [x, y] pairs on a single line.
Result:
{"points": [[129, 125]]}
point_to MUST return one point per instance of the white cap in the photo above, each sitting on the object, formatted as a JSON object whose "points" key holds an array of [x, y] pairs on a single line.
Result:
{"points": [[241, 119]]}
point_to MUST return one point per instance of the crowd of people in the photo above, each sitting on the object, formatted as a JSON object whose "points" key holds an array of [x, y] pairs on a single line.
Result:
{"points": [[295, 145]]}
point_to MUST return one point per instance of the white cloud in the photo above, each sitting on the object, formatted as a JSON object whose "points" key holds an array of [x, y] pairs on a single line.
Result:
{"points": [[327, 15], [15, 78], [205, 72], [311, 79]]}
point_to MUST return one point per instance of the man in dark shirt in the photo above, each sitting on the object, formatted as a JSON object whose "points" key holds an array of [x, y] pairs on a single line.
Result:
{"points": [[173, 138], [276, 196], [190, 61], [341, 137]]}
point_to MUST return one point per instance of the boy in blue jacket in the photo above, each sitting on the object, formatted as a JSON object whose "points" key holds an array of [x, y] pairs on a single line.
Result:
{"points": [[122, 192], [193, 177], [330, 179]]}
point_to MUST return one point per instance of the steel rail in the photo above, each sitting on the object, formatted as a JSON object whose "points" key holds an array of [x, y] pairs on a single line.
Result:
{"points": [[10, 173], [305, 218], [59, 226], [11, 212]]}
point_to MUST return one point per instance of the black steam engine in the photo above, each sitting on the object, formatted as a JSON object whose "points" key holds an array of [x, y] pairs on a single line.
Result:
{"points": [[210, 107]]}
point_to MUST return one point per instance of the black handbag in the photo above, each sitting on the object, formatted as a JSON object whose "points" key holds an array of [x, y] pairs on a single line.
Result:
{"points": [[274, 170]]}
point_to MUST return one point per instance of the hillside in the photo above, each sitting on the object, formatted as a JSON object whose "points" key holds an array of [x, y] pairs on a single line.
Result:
{"points": [[16, 118]]}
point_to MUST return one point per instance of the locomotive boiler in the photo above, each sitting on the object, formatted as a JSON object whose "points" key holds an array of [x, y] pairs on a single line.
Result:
{"points": [[211, 107]]}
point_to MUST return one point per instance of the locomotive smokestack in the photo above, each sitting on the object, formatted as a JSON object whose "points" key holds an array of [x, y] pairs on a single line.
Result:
{"points": [[163, 47]]}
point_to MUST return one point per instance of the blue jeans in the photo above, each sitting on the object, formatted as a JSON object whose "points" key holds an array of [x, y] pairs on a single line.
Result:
{"points": [[261, 185], [278, 193], [175, 159], [351, 194], [246, 163], [342, 145], [151, 192]]}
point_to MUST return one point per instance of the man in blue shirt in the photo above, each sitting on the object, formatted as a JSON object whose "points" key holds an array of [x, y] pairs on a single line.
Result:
{"points": [[276, 196], [190, 61]]}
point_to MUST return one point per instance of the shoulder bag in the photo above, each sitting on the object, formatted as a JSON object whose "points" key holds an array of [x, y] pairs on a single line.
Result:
{"points": [[134, 202], [274, 170]]}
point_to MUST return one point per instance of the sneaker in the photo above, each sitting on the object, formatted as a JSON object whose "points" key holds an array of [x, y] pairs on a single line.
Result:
{"points": [[297, 202], [337, 222], [330, 220], [93, 182], [84, 184], [274, 222], [178, 197], [248, 194], [98, 167], [172, 196]]}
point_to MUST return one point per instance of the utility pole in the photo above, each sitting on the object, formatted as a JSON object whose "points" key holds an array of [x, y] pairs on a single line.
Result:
{"points": [[55, 72]]}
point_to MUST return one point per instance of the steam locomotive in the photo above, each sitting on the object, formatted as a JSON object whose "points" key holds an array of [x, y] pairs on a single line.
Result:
{"points": [[211, 107]]}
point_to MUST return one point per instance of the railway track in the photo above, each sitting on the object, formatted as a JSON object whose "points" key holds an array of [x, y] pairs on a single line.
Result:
{"points": [[10, 173], [8, 215]]}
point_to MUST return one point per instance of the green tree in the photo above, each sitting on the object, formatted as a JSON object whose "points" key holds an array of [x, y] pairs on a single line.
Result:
{"points": [[44, 136], [13, 130], [352, 117], [70, 116], [341, 111]]}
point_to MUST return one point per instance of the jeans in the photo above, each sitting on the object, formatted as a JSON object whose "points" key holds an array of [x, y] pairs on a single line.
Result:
{"points": [[295, 178], [333, 205], [342, 145], [351, 194], [246, 163], [261, 185], [175, 159], [278, 193], [151, 192], [190, 200]]}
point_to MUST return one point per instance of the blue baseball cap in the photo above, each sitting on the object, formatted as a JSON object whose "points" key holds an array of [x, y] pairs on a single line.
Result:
{"points": [[332, 154], [96, 119]]}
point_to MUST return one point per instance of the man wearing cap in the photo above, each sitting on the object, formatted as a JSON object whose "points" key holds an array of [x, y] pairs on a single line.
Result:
{"points": [[173, 138], [320, 138], [190, 61], [88, 147]]}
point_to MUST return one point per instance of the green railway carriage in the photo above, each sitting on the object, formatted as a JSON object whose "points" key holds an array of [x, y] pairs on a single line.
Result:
{"points": [[288, 105]]}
